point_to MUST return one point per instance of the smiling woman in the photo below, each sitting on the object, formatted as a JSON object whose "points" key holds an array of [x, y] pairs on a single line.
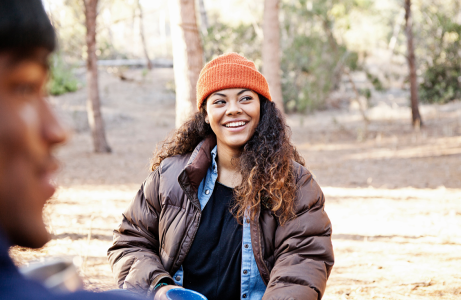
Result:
{"points": [[229, 210]]}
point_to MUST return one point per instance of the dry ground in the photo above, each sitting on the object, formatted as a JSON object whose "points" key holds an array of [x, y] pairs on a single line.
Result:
{"points": [[393, 195]]}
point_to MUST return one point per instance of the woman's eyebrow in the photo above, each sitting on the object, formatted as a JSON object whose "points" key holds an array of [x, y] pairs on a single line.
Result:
{"points": [[222, 95], [242, 91]]}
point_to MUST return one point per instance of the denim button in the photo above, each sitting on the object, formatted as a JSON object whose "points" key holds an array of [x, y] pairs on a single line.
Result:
{"points": [[207, 192], [245, 272], [246, 246], [244, 295], [178, 278]]}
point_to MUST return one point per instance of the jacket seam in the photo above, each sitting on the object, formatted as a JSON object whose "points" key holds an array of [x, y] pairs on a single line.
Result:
{"points": [[137, 244], [164, 252], [176, 259]]}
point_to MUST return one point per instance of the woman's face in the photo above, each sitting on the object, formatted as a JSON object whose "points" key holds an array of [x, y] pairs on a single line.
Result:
{"points": [[233, 115]]}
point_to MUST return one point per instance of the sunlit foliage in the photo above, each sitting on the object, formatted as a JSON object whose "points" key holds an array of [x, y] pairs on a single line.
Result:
{"points": [[440, 44], [62, 80]]}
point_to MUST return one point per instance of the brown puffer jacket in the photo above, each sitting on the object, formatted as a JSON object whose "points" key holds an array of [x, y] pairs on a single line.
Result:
{"points": [[158, 228]]}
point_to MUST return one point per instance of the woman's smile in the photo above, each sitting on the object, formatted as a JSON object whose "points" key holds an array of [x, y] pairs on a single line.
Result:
{"points": [[237, 125]]}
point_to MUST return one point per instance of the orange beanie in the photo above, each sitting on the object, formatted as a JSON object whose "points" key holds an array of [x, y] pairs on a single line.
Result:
{"points": [[228, 71]]}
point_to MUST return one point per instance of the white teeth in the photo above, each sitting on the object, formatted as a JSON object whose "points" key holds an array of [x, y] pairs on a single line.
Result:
{"points": [[235, 124]]}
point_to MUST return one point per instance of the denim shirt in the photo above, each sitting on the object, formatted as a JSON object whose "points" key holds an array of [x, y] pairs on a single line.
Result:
{"points": [[252, 285]]}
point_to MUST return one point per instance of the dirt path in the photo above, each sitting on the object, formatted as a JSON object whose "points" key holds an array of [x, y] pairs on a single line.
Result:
{"points": [[394, 196]]}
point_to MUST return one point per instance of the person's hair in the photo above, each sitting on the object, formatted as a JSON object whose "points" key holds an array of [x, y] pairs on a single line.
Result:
{"points": [[266, 162], [24, 26]]}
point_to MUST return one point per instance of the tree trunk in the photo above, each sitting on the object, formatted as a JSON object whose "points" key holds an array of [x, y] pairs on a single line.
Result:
{"points": [[203, 18], [143, 40], [93, 103], [187, 57], [416, 117], [271, 51]]}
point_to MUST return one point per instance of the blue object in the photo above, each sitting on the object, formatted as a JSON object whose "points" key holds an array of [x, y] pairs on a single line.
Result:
{"points": [[184, 294], [252, 285]]}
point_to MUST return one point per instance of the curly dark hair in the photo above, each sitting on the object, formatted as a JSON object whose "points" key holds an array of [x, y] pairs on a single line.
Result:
{"points": [[266, 162]]}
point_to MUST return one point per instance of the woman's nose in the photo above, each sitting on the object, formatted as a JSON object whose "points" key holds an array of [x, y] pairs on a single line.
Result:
{"points": [[234, 108]]}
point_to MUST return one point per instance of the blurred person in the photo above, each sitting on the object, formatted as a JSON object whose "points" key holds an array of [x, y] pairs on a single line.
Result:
{"points": [[29, 132], [229, 210]]}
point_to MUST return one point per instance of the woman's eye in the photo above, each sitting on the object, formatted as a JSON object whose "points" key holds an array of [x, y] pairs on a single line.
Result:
{"points": [[246, 98], [219, 102]]}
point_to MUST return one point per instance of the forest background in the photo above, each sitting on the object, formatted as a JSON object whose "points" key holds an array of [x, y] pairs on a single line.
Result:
{"points": [[393, 189], [317, 39]]}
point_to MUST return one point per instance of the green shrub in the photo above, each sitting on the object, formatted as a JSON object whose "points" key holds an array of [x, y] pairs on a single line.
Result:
{"points": [[312, 58], [442, 66], [441, 83], [62, 80], [377, 84]]}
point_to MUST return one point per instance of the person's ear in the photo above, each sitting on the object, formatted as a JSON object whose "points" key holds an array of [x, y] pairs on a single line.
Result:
{"points": [[207, 120]]}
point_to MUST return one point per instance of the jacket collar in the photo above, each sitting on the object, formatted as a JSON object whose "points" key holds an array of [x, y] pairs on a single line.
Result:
{"points": [[196, 168]]}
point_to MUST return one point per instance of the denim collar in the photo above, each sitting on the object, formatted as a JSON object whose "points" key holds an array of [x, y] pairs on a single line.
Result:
{"points": [[214, 164]]}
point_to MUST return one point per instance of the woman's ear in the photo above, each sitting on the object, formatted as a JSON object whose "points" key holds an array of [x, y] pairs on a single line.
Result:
{"points": [[207, 120]]}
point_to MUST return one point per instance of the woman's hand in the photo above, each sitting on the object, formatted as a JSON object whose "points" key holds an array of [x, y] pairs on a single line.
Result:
{"points": [[160, 294]]}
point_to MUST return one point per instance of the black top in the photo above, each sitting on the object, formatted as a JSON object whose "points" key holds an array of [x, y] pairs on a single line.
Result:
{"points": [[212, 266]]}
